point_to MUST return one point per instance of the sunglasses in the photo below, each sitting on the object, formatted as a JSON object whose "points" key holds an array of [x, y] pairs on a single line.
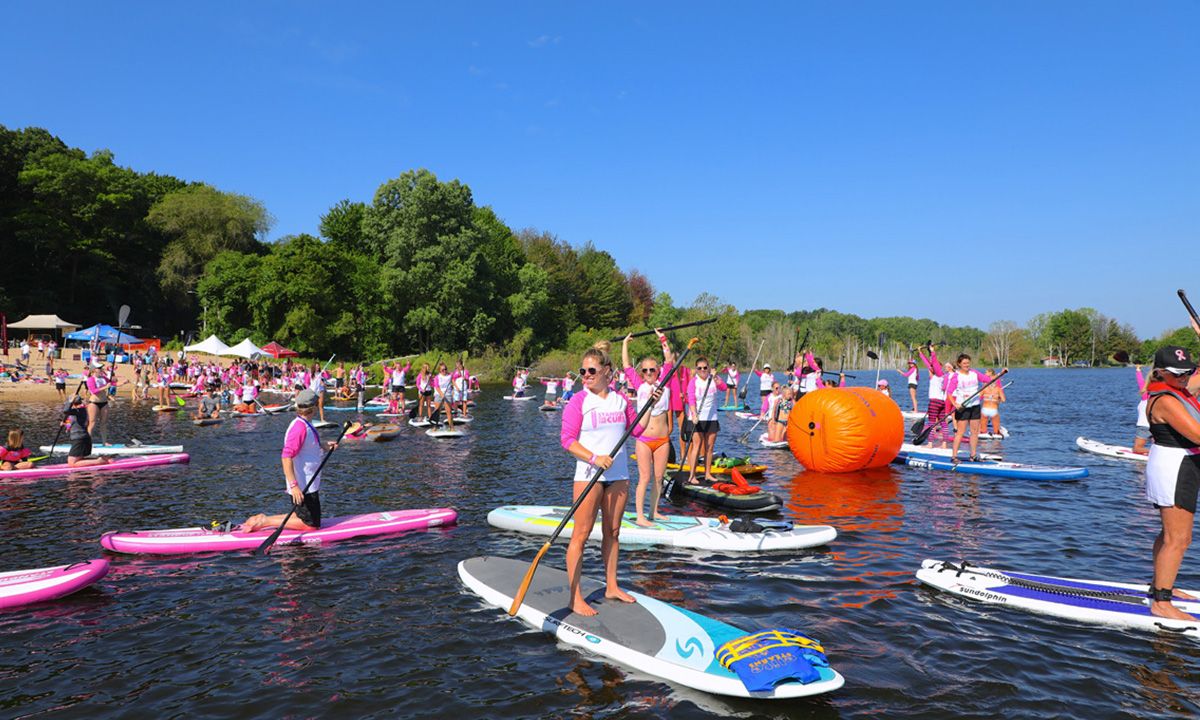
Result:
{"points": [[588, 371], [649, 370], [701, 367], [1179, 373]]}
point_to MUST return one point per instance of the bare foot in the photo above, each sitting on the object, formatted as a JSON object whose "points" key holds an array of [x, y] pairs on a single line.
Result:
{"points": [[692, 480], [579, 607], [658, 516], [253, 523], [644, 522], [1184, 595], [710, 478], [616, 593], [1165, 609]]}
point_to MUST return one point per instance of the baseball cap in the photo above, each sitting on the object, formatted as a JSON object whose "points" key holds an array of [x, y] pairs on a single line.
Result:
{"points": [[1175, 360], [306, 398], [882, 383], [766, 365]]}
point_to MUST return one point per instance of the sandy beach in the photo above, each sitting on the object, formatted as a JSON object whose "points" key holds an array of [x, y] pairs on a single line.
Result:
{"points": [[28, 390]]}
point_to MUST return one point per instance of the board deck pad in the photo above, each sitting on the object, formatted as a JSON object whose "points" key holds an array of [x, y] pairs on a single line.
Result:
{"points": [[652, 636]]}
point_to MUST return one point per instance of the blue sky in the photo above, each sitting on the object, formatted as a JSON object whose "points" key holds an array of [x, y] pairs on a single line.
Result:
{"points": [[968, 162]]}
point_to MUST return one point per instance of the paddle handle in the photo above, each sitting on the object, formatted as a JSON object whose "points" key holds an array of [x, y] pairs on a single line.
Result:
{"points": [[266, 545], [666, 329], [520, 596]]}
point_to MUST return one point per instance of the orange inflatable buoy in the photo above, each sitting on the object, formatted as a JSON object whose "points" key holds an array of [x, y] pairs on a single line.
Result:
{"points": [[845, 429]]}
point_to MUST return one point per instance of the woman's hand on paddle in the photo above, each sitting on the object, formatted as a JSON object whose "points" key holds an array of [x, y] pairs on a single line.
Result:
{"points": [[603, 461], [297, 494], [628, 337], [656, 395], [331, 446]]}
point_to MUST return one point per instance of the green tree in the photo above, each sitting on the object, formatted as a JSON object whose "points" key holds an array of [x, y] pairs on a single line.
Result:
{"points": [[343, 225]]}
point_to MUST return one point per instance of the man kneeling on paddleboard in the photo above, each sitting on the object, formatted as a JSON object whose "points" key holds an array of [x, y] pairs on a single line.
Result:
{"points": [[301, 458]]}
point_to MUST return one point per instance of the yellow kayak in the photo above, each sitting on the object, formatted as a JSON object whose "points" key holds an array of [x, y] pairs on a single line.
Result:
{"points": [[747, 470]]}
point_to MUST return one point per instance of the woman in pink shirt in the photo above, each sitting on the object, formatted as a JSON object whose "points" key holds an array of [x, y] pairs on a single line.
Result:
{"points": [[702, 420], [593, 422]]}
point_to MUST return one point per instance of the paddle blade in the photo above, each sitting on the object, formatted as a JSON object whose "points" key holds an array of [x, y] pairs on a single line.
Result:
{"points": [[871, 354], [520, 596], [924, 434], [1121, 356]]}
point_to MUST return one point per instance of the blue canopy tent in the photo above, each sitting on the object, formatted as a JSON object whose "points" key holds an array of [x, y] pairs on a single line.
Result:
{"points": [[103, 333]]}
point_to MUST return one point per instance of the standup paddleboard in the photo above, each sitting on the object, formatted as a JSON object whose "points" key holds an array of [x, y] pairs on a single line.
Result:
{"points": [[990, 467], [523, 397], [442, 433], [944, 452], [166, 408], [205, 422], [324, 424], [120, 464], [23, 587], [774, 444], [1098, 602], [745, 415], [649, 635], [115, 449], [193, 540], [1112, 451], [419, 423], [681, 531], [746, 470]]}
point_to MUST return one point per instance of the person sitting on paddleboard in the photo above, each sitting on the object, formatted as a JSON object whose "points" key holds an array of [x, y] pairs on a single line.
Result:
{"points": [[209, 408], [592, 424], [913, 376], [990, 400], [81, 439], [1172, 471], [962, 385], [731, 379], [1141, 431], [14, 455], [652, 444], [245, 407], [301, 456], [702, 401]]}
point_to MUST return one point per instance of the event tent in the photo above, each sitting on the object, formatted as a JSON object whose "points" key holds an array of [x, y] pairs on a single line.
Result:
{"points": [[103, 333], [276, 350], [211, 345], [246, 349], [43, 322]]}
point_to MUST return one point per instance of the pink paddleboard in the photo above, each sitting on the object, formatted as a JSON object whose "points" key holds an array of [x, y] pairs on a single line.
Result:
{"points": [[192, 540], [130, 463], [23, 587]]}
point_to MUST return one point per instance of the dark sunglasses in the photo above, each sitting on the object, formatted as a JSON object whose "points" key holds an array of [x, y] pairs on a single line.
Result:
{"points": [[647, 371], [701, 367], [588, 371]]}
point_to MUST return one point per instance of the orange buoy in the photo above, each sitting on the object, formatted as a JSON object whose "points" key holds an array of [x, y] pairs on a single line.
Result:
{"points": [[845, 429]]}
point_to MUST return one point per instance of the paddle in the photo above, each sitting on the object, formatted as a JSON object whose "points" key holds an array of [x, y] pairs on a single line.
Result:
{"points": [[920, 439], [1191, 310], [665, 329], [266, 545], [58, 434], [670, 484], [746, 387], [524, 588], [1121, 356], [879, 363]]}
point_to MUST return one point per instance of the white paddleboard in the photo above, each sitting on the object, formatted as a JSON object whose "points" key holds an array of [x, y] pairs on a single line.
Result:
{"points": [[681, 531], [1112, 451], [523, 397], [945, 452], [649, 635], [1097, 602], [442, 433], [117, 449], [775, 444]]}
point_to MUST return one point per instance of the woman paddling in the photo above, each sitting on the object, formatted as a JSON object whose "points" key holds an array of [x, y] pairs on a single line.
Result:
{"points": [[935, 412], [653, 444], [731, 380], [960, 388], [300, 458], [608, 414], [1172, 471], [913, 376]]}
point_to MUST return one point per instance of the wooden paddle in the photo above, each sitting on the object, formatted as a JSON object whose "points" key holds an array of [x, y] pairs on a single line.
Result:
{"points": [[266, 545], [924, 435], [524, 588]]}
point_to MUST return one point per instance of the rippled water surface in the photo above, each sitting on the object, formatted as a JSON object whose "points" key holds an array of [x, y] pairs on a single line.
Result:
{"points": [[382, 627]]}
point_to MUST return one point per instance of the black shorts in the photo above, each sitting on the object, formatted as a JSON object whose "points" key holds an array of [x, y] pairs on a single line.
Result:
{"points": [[764, 393], [80, 448], [398, 388], [968, 413], [309, 511], [338, 382], [427, 393], [708, 426], [60, 386]]}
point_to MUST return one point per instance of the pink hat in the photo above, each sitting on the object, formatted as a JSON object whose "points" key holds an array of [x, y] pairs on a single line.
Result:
{"points": [[882, 383]]}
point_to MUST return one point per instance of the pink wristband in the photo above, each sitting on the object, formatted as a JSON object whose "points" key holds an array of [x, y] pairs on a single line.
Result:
{"points": [[592, 461]]}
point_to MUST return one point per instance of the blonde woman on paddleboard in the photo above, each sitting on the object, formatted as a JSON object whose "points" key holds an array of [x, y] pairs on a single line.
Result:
{"points": [[653, 444]]}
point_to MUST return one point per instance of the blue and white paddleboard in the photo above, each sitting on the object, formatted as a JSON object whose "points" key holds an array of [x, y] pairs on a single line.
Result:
{"points": [[929, 461], [681, 531], [1090, 601], [650, 636]]}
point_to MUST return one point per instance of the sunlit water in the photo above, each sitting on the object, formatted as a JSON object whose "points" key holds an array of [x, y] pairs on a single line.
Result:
{"points": [[382, 627]]}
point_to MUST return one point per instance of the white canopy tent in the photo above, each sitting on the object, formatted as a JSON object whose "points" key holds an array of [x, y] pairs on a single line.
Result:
{"points": [[245, 349], [43, 322], [211, 345]]}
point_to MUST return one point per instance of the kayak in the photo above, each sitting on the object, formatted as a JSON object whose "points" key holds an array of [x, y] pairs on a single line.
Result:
{"points": [[681, 531], [757, 502], [116, 449], [523, 397], [132, 463], [990, 467], [1113, 451], [205, 422], [444, 433], [774, 444], [746, 469], [197, 539], [650, 636], [1098, 602], [23, 587], [943, 452]]}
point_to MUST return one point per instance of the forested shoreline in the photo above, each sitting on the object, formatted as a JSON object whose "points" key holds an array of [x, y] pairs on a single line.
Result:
{"points": [[419, 268]]}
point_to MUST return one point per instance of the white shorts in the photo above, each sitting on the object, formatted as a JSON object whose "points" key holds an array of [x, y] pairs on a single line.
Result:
{"points": [[1172, 477]]}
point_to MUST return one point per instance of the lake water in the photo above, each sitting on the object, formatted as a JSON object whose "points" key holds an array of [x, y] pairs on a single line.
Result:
{"points": [[382, 627]]}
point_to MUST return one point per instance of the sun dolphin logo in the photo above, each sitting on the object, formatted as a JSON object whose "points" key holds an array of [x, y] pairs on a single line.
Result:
{"points": [[692, 645]]}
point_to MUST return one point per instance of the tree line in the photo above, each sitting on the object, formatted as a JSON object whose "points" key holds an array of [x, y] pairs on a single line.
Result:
{"points": [[418, 267]]}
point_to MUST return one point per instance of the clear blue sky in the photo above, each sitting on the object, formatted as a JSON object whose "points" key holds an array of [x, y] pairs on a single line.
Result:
{"points": [[964, 161]]}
